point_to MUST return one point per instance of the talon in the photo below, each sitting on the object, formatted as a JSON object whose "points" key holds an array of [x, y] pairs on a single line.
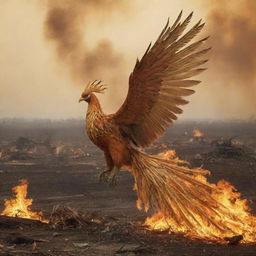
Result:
{"points": [[112, 179], [104, 176], [109, 176]]}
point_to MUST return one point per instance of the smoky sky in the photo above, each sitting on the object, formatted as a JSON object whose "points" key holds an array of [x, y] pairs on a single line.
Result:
{"points": [[50, 49], [65, 25], [234, 39], [232, 27]]}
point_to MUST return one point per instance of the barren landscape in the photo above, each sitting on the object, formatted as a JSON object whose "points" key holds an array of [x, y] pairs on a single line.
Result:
{"points": [[62, 168]]}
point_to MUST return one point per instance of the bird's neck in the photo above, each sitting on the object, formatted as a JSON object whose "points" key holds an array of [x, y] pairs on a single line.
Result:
{"points": [[94, 107]]}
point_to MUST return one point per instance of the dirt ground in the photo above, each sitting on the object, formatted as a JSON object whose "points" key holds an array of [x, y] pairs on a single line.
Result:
{"points": [[62, 168]]}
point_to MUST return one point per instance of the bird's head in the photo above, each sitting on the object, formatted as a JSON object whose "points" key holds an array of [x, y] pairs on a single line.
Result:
{"points": [[95, 86]]}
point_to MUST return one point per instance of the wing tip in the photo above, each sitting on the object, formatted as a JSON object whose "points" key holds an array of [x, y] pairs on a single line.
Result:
{"points": [[205, 38]]}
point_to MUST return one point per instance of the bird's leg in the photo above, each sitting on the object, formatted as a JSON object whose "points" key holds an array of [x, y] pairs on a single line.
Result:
{"points": [[109, 176], [104, 176], [110, 164], [112, 176]]}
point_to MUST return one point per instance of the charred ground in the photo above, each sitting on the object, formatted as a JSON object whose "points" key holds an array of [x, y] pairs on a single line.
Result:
{"points": [[62, 167]]}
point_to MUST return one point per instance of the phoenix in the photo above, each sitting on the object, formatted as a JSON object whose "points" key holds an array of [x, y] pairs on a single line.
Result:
{"points": [[157, 87]]}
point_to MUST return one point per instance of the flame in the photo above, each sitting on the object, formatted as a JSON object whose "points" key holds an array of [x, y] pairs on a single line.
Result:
{"points": [[238, 219], [170, 155], [59, 149], [197, 133], [20, 205]]}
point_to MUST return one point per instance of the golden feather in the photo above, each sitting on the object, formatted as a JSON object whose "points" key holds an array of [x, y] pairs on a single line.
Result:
{"points": [[95, 86], [160, 80]]}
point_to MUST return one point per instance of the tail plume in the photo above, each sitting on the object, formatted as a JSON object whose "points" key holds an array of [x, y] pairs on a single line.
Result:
{"points": [[184, 195]]}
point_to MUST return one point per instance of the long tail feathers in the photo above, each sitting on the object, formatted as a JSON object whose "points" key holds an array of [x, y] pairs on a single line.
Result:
{"points": [[178, 192]]}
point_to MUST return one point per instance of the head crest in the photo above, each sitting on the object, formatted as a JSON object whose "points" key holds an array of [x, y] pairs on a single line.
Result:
{"points": [[95, 86]]}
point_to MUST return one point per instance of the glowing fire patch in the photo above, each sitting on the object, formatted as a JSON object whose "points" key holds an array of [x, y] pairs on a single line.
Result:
{"points": [[171, 155], [197, 133], [20, 205], [237, 217]]}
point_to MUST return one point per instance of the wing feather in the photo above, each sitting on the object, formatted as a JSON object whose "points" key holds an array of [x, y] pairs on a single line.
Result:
{"points": [[159, 82]]}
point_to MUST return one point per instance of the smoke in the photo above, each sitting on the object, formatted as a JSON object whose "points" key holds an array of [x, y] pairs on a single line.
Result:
{"points": [[231, 73], [49, 46], [232, 27], [66, 27]]}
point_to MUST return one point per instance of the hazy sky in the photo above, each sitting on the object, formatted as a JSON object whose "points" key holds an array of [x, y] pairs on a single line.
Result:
{"points": [[39, 78]]}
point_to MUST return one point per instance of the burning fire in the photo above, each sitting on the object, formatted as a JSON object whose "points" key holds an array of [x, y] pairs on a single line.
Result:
{"points": [[171, 155], [236, 218], [20, 205], [197, 133]]}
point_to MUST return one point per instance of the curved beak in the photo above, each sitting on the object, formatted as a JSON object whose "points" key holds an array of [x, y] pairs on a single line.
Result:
{"points": [[81, 99]]}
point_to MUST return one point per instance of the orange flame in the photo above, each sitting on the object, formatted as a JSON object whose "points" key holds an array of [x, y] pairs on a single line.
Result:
{"points": [[20, 205], [197, 133], [240, 221], [170, 154]]}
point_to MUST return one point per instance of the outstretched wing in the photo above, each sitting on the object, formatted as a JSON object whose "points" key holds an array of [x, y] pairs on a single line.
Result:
{"points": [[159, 81]]}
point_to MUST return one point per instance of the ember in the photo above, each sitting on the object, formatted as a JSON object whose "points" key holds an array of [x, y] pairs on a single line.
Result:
{"points": [[197, 133], [20, 205], [235, 217]]}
